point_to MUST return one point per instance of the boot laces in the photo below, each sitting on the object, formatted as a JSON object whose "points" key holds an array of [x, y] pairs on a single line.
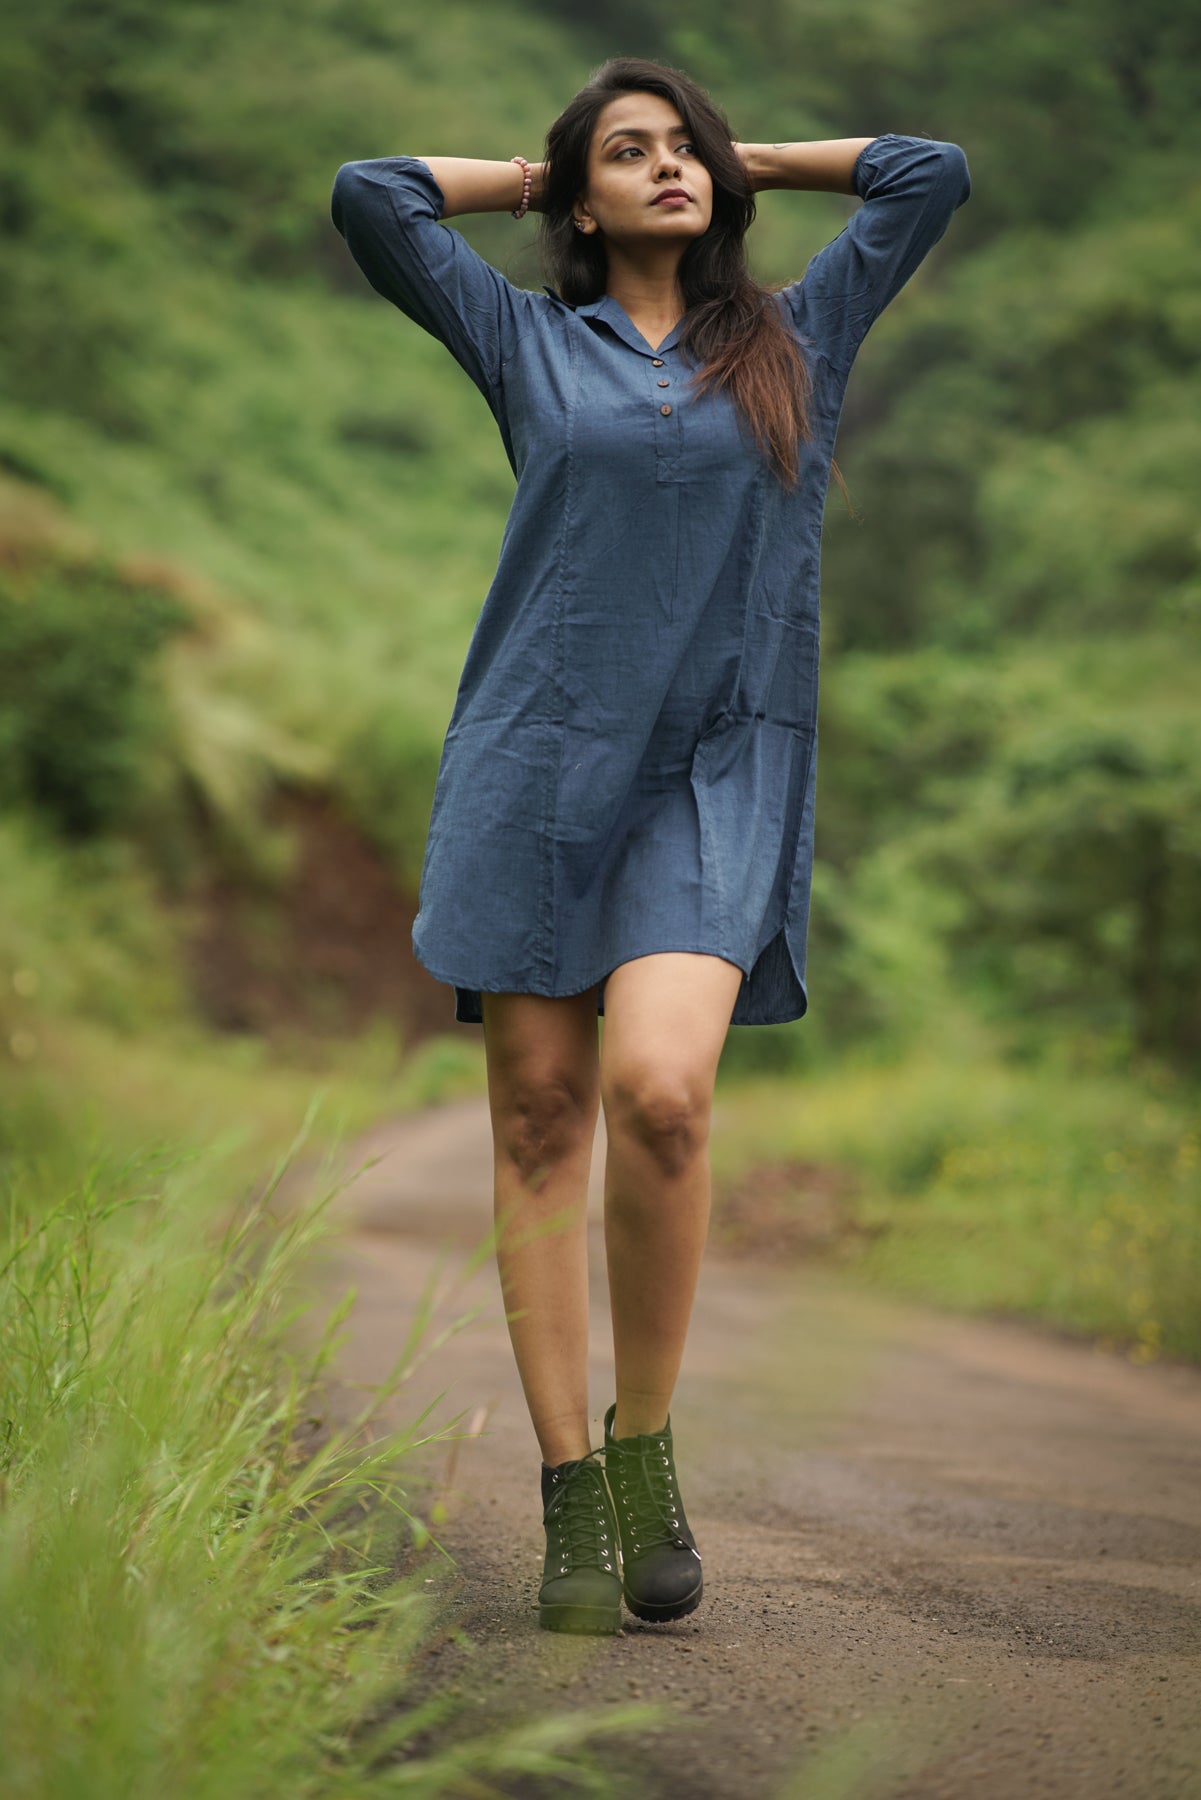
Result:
{"points": [[578, 1518], [648, 1497]]}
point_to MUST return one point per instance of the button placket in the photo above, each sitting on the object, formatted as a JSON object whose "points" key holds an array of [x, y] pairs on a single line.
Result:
{"points": [[667, 432], [663, 382]]}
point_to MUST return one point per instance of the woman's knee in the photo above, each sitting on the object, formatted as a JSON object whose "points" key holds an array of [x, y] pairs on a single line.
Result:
{"points": [[664, 1110], [541, 1119]]}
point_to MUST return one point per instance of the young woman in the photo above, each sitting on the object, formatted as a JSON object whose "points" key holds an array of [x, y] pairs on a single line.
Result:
{"points": [[623, 817]]}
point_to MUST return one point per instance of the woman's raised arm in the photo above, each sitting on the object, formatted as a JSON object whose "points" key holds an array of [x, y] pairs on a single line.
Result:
{"points": [[822, 166], [909, 187], [473, 185], [389, 210]]}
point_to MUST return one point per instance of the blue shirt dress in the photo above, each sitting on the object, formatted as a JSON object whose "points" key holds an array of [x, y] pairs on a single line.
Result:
{"points": [[630, 765]]}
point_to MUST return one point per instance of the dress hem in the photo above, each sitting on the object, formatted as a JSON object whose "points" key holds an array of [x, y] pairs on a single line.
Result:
{"points": [[467, 995]]}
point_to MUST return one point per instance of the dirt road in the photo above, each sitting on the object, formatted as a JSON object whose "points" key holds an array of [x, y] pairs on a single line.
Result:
{"points": [[942, 1557]]}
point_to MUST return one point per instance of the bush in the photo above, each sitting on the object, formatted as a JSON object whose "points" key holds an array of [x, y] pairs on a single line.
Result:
{"points": [[79, 712]]}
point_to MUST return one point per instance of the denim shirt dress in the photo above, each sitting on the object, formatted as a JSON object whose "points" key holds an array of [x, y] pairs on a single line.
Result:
{"points": [[631, 761]]}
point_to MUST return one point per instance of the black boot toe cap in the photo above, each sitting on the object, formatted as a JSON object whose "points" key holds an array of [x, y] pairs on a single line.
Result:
{"points": [[664, 1584]]}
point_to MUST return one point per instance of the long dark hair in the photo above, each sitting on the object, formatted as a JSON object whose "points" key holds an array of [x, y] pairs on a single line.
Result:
{"points": [[732, 329]]}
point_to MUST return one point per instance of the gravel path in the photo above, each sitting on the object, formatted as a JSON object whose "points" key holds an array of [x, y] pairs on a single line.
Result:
{"points": [[943, 1557]]}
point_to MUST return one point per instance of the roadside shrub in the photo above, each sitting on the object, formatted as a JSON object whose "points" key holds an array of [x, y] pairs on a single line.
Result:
{"points": [[80, 713]]}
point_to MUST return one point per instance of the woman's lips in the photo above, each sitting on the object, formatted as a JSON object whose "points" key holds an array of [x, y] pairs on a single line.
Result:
{"points": [[676, 194]]}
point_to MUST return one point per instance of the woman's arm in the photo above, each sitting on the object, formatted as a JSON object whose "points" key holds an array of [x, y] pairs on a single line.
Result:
{"points": [[472, 185], [389, 210], [822, 166], [909, 188]]}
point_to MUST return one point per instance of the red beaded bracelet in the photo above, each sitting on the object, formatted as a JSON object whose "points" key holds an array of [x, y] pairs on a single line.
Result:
{"points": [[519, 212]]}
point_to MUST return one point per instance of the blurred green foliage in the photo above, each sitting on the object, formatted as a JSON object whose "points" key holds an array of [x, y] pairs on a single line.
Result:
{"points": [[79, 710], [1042, 1192], [1052, 843]]}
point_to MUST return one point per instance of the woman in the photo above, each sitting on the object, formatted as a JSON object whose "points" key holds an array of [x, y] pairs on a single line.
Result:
{"points": [[623, 816]]}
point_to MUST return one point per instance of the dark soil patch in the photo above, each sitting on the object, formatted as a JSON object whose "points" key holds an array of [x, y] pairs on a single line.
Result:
{"points": [[789, 1209], [323, 953]]}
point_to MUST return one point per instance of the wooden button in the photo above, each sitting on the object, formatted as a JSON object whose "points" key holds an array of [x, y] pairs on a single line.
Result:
{"points": [[665, 410], [656, 362], [665, 384]]}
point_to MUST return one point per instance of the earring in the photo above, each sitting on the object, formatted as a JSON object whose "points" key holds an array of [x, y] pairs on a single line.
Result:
{"points": [[579, 225]]}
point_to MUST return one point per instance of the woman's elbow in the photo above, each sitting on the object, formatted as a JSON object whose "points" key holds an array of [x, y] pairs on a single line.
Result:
{"points": [[347, 185], [956, 174]]}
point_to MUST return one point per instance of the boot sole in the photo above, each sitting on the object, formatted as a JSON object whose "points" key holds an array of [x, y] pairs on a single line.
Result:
{"points": [[658, 1615], [586, 1621]]}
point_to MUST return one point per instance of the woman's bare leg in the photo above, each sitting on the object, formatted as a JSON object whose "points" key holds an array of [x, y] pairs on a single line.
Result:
{"points": [[544, 1092], [666, 1019]]}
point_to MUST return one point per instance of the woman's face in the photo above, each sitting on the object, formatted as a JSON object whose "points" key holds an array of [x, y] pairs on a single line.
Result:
{"points": [[641, 153]]}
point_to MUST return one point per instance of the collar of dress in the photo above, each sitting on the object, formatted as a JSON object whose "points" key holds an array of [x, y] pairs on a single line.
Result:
{"points": [[610, 312]]}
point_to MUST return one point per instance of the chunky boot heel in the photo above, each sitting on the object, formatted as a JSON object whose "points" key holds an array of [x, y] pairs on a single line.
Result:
{"points": [[581, 1588], [661, 1565]]}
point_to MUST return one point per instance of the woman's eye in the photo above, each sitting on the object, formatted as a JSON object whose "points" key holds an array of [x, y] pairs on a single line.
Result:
{"points": [[633, 149]]}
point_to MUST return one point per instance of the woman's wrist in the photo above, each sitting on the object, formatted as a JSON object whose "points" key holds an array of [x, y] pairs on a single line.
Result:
{"points": [[474, 185], [751, 158], [537, 187]]}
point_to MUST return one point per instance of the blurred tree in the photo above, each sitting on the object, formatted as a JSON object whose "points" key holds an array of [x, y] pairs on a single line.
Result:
{"points": [[1036, 818]]}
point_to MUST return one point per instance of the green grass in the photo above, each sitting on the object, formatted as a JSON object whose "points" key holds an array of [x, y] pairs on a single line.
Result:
{"points": [[1063, 1195], [204, 1588]]}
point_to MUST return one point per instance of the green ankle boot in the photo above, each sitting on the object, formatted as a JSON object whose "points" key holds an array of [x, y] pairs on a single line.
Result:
{"points": [[581, 1588], [661, 1566]]}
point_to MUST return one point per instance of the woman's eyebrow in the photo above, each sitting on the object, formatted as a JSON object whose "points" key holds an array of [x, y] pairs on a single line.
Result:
{"points": [[633, 131]]}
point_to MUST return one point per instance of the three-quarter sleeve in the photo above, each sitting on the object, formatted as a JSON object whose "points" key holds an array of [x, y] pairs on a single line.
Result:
{"points": [[388, 210], [909, 187]]}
